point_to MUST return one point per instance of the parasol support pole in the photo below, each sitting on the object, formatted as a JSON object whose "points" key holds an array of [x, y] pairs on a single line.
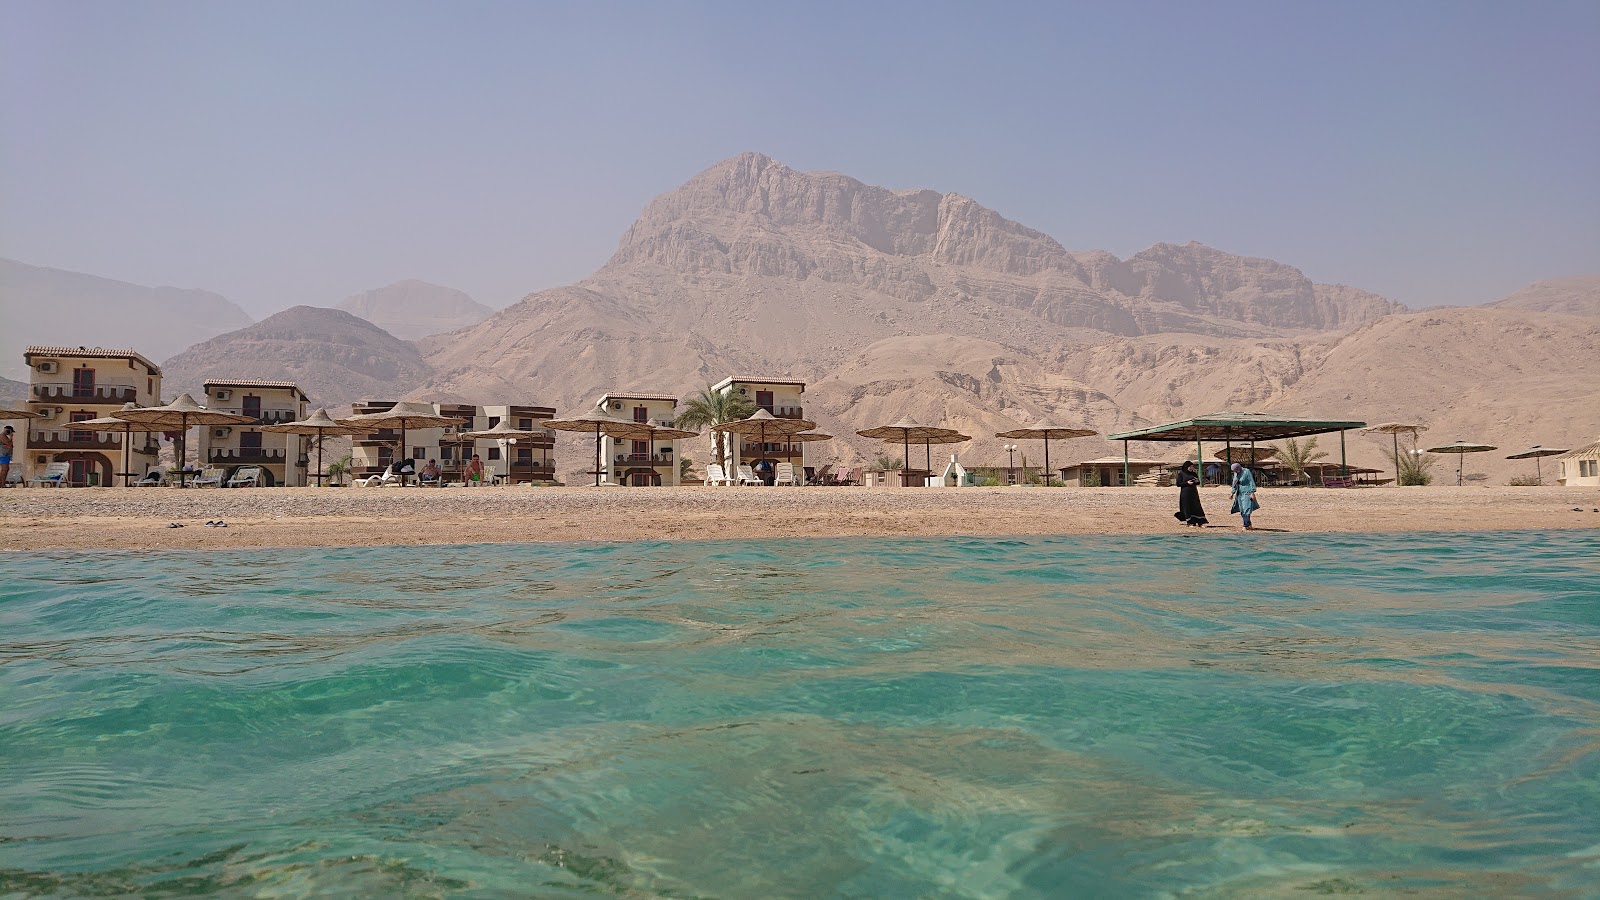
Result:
{"points": [[597, 455], [1125, 481], [1200, 460], [1047, 459], [1396, 436], [1344, 469]]}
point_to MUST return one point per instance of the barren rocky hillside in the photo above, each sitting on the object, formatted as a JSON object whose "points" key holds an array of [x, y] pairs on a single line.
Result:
{"points": [[1577, 296], [412, 309]]}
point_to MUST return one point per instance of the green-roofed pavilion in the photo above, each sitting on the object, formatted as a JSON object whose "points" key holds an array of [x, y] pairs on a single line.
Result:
{"points": [[1244, 427]]}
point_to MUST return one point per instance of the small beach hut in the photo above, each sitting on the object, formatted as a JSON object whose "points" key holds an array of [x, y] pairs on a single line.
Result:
{"points": [[1461, 448], [1230, 426], [1581, 466], [1045, 430]]}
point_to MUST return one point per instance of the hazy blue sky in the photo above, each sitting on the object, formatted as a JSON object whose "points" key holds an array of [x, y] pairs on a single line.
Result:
{"points": [[283, 153]]}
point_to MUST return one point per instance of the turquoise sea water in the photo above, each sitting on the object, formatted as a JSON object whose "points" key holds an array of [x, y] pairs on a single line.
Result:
{"points": [[1196, 715]]}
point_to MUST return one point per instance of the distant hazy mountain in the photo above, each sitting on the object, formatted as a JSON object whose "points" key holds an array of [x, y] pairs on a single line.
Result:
{"points": [[415, 309], [896, 302], [334, 356], [1575, 296], [39, 305], [13, 393]]}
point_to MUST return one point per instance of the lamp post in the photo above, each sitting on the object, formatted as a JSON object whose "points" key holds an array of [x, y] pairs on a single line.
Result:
{"points": [[511, 450], [1011, 452]]}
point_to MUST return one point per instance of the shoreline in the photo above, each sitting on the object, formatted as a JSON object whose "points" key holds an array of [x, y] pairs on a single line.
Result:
{"points": [[138, 518]]}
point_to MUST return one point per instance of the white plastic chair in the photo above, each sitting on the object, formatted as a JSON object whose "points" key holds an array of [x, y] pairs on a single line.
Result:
{"points": [[784, 474], [747, 475], [715, 476]]}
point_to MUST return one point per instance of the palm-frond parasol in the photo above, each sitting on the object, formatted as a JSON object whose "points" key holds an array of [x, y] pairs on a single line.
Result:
{"points": [[598, 423], [1461, 449], [319, 424], [1046, 430], [182, 412]]}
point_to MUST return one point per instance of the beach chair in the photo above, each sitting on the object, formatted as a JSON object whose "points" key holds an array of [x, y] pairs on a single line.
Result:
{"points": [[784, 474], [246, 476], [1337, 481], [715, 476], [54, 475], [747, 475], [823, 475], [152, 478], [851, 476], [388, 477], [208, 477]]}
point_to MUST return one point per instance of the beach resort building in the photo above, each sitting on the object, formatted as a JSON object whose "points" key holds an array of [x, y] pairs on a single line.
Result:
{"points": [[282, 458], [640, 463], [520, 461], [73, 384], [1580, 467], [1108, 472], [779, 396]]}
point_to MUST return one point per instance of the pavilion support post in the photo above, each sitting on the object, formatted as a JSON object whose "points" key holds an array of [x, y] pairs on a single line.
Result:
{"points": [[1126, 481], [1047, 462], [1200, 460], [1396, 436], [1344, 469]]}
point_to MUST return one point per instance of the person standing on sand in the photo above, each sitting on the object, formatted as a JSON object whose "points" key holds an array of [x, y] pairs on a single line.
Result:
{"points": [[1244, 494], [1189, 510], [8, 444]]}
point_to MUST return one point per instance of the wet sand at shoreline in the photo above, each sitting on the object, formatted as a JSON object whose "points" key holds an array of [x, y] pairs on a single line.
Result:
{"points": [[137, 518]]}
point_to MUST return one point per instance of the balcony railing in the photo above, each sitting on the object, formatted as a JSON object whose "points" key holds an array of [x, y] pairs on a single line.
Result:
{"points": [[660, 459], [67, 439], [786, 412], [234, 456], [264, 416], [100, 394]]}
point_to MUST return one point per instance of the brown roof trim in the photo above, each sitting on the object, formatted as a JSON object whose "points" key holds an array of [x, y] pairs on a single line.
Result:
{"points": [[88, 353], [253, 382], [605, 397]]}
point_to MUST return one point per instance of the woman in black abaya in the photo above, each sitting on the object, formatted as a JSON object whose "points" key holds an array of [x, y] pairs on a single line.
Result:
{"points": [[1189, 510]]}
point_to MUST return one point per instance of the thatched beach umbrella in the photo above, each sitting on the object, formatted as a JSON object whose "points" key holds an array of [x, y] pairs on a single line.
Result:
{"points": [[503, 431], [6, 413], [764, 423], [1250, 456], [403, 415], [807, 437], [665, 433], [320, 425], [1394, 430], [598, 423], [1461, 448], [906, 432], [1046, 430], [111, 423], [1534, 453], [182, 412]]}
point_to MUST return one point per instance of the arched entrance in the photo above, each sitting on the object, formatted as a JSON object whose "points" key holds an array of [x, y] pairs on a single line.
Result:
{"points": [[642, 478], [84, 465]]}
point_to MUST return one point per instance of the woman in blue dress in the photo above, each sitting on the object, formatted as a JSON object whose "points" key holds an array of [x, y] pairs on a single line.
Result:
{"points": [[1244, 494]]}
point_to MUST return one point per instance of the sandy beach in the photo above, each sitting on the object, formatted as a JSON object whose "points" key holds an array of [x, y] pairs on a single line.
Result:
{"points": [[133, 518]]}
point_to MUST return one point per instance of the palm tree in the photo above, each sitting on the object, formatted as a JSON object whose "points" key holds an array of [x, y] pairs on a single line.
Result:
{"points": [[710, 407], [1296, 456]]}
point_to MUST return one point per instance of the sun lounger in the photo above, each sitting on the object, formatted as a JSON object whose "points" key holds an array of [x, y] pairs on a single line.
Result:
{"points": [[54, 475], [388, 477], [747, 475], [208, 478], [784, 474], [152, 478], [715, 476], [1337, 481], [246, 476]]}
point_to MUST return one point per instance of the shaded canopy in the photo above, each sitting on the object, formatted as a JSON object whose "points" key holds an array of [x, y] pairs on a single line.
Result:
{"points": [[1045, 430], [764, 423], [404, 415], [318, 423], [1460, 446], [907, 430], [1395, 428], [1587, 451], [502, 431], [181, 412], [596, 422], [7, 413], [107, 423], [1251, 455], [809, 437], [1536, 452], [1239, 426]]}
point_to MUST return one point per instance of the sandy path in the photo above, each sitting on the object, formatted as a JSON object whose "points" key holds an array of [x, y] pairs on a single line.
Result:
{"points": [[133, 518]]}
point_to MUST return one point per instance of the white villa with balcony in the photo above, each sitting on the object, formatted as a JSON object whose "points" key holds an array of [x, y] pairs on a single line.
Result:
{"points": [[526, 460], [640, 463], [779, 396], [282, 458], [72, 384]]}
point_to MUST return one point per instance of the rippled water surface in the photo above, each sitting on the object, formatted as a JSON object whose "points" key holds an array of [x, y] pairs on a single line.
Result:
{"points": [[1235, 715]]}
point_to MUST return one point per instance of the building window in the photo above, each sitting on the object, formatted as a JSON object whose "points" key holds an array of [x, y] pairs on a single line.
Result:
{"points": [[641, 414], [447, 452], [1588, 468], [764, 400], [252, 406], [83, 382], [82, 436], [418, 453], [525, 424], [250, 441], [524, 456], [494, 453], [493, 421], [149, 385]]}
